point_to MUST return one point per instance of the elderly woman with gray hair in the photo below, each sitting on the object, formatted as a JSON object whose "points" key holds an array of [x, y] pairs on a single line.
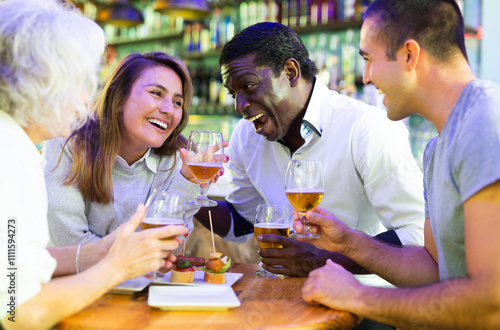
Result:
{"points": [[49, 59]]}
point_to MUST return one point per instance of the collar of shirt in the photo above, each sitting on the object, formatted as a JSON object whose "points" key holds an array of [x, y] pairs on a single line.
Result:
{"points": [[149, 157], [311, 126], [314, 117]]}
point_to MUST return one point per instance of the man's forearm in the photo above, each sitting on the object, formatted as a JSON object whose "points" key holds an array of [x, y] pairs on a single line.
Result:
{"points": [[389, 236], [455, 304], [389, 261]]}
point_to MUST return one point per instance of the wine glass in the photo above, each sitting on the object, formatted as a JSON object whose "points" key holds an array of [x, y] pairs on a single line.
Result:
{"points": [[305, 189], [204, 159], [164, 208], [274, 220]]}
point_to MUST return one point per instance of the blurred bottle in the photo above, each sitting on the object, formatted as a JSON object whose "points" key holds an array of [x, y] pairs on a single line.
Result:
{"points": [[227, 27], [261, 12], [320, 54], [305, 13], [252, 12], [188, 38], [328, 11], [196, 37], [204, 40], [315, 12], [215, 21], [348, 50], [204, 77], [214, 86], [243, 15], [272, 10], [346, 10], [333, 62], [293, 13], [285, 12]]}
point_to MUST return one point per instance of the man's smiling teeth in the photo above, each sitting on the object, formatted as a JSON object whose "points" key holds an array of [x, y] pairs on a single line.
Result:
{"points": [[255, 117], [158, 123]]}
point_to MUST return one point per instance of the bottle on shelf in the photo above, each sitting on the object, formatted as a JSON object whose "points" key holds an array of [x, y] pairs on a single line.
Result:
{"points": [[328, 11], [346, 10], [285, 12], [348, 49]]}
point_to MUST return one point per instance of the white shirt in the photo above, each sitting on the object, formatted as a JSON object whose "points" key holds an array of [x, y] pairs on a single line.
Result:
{"points": [[23, 198], [372, 182]]}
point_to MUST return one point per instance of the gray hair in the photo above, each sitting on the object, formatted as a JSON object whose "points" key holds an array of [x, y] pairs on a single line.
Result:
{"points": [[49, 58]]}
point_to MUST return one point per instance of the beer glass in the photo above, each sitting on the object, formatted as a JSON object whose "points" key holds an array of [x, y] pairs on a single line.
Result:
{"points": [[204, 159], [275, 220], [304, 187], [164, 208]]}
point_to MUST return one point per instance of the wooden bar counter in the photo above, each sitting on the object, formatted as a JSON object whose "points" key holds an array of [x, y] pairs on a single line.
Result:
{"points": [[266, 303]]}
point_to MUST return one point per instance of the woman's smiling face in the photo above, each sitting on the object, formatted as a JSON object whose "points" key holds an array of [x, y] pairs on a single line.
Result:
{"points": [[151, 112]]}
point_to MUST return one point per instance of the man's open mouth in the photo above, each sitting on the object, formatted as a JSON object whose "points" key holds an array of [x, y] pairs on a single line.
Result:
{"points": [[258, 121]]}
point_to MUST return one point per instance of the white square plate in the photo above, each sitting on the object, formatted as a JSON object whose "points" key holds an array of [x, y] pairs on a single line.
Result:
{"points": [[133, 285], [231, 278], [192, 298]]}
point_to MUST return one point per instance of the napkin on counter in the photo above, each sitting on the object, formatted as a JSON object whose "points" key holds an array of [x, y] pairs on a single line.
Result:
{"points": [[374, 280]]}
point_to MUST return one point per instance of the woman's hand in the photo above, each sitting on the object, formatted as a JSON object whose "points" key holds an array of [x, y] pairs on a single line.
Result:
{"points": [[134, 254]]}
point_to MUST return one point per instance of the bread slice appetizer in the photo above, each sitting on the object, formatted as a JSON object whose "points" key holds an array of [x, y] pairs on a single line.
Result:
{"points": [[182, 273], [216, 267]]}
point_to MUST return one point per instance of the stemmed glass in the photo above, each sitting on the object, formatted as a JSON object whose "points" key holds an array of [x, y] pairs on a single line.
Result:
{"points": [[305, 189], [164, 208], [205, 154], [271, 219]]}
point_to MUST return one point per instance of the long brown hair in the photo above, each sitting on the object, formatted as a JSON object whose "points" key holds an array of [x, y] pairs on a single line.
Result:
{"points": [[95, 145]]}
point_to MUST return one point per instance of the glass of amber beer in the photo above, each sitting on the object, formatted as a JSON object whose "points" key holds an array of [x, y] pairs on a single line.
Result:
{"points": [[164, 208], [204, 159], [304, 186], [271, 219]]}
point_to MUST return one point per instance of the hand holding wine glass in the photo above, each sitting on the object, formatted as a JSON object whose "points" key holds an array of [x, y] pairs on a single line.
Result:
{"points": [[305, 189], [204, 158], [164, 208], [271, 220]]}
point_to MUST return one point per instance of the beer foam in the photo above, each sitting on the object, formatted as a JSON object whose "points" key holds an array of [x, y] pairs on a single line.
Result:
{"points": [[271, 225], [163, 221], [304, 191]]}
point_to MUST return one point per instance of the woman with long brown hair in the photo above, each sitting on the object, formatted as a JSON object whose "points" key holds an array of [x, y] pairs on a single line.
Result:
{"points": [[128, 147]]}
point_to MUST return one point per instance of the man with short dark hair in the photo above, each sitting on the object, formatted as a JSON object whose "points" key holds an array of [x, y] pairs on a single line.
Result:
{"points": [[372, 181], [415, 53]]}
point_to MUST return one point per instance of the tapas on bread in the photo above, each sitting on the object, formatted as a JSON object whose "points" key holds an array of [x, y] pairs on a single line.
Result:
{"points": [[216, 267], [183, 272]]}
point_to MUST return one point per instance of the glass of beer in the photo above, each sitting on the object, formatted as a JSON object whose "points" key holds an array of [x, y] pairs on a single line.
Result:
{"points": [[164, 208], [271, 219], [204, 159], [304, 186]]}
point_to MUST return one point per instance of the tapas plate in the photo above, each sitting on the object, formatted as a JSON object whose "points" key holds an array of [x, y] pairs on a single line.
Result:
{"points": [[231, 278], [133, 285]]}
